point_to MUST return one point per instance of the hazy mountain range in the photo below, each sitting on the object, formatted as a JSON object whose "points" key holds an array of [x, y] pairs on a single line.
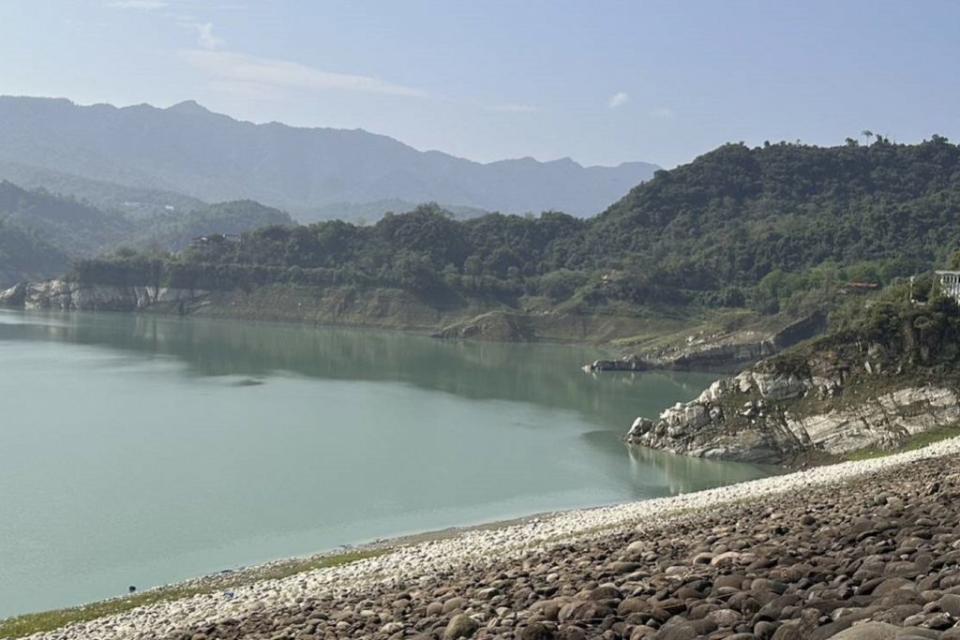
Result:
{"points": [[41, 233], [188, 151]]}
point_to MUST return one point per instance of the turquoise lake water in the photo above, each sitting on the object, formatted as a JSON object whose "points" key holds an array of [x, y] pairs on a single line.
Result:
{"points": [[141, 450]]}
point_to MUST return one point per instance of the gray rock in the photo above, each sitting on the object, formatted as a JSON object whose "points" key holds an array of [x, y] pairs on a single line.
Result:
{"points": [[950, 603], [582, 610], [869, 631], [453, 604], [460, 626], [570, 632], [535, 631], [725, 617]]}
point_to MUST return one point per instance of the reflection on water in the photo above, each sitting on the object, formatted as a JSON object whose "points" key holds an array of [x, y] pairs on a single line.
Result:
{"points": [[546, 374], [658, 473], [143, 450], [685, 474]]}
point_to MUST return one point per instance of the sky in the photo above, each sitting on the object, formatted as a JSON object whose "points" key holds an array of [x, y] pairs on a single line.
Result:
{"points": [[601, 81]]}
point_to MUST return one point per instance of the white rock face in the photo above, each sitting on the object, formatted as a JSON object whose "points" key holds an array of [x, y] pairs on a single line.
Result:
{"points": [[882, 422], [745, 418], [63, 295], [776, 387], [714, 392], [13, 297]]}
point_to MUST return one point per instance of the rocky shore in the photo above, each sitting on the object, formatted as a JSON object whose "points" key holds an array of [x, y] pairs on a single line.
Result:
{"points": [[341, 306], [760, 417], [867, 549], [885, 376]]}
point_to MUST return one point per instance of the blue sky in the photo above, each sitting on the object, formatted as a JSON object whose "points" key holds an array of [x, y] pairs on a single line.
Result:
{"points": [[600, 81]]}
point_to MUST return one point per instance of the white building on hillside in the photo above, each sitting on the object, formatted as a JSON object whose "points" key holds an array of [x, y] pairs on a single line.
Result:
{"points": [[949, 282]]}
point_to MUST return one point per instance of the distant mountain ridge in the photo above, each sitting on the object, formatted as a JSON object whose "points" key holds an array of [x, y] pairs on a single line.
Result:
{"points": [[190, 150], [140, 202]]}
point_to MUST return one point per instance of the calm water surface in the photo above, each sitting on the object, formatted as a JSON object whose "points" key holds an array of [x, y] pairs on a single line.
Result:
{"points": [[142, 450]]}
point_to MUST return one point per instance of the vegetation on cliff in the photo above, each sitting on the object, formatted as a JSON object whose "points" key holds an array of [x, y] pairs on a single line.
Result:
{"points": [[890, 335]]}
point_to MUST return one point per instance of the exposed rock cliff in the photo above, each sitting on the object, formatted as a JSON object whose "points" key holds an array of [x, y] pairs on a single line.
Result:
{"points": [[64, 295], [874, 386], [720, 351], [749, 418]]}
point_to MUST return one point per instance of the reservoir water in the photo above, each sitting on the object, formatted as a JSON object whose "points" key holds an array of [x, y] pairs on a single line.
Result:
{"points": [[141, 450]]}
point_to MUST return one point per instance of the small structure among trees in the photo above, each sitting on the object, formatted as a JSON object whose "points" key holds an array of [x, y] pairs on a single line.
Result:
{"points": [[949, 283]]}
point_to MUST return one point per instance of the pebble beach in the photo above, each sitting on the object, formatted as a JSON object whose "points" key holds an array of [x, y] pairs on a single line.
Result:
{"points": [[870, 546]]}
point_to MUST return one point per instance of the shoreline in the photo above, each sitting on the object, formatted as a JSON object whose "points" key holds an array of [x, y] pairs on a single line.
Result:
{"points": [[395, 562], [603, 347]]}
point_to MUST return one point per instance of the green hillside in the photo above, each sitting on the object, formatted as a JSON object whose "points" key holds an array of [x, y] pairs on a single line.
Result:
{"points": [[779, 227], [746, 217], [24, 254], [42, 231], [75, 227]]}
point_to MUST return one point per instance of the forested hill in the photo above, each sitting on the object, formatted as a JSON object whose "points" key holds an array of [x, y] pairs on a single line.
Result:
{"points": [[736, 214], [736, 227], [75, 227], [24, 254], [42, 231]]}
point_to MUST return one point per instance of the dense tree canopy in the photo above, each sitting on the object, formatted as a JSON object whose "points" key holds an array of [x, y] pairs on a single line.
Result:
{"points": [[736, 226], [24, 252]]}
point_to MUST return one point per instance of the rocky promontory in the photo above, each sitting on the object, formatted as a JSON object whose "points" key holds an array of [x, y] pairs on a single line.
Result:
{"points": [[760, 417], [887, 376]]}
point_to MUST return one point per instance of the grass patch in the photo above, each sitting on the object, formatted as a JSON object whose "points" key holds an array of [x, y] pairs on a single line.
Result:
{"points": [[45, 621], [913, 443], [668, 332], [293, 567]]}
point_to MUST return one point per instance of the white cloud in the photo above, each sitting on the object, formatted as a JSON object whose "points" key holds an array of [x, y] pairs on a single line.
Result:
{"points": [[227, 68], [514, 108], [618, 100], [147, 5], [665, 113], [205, 37]]}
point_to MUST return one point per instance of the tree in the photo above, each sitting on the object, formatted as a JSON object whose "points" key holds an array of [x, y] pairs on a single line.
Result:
{"points": [[954, 263], [414, 271]]}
